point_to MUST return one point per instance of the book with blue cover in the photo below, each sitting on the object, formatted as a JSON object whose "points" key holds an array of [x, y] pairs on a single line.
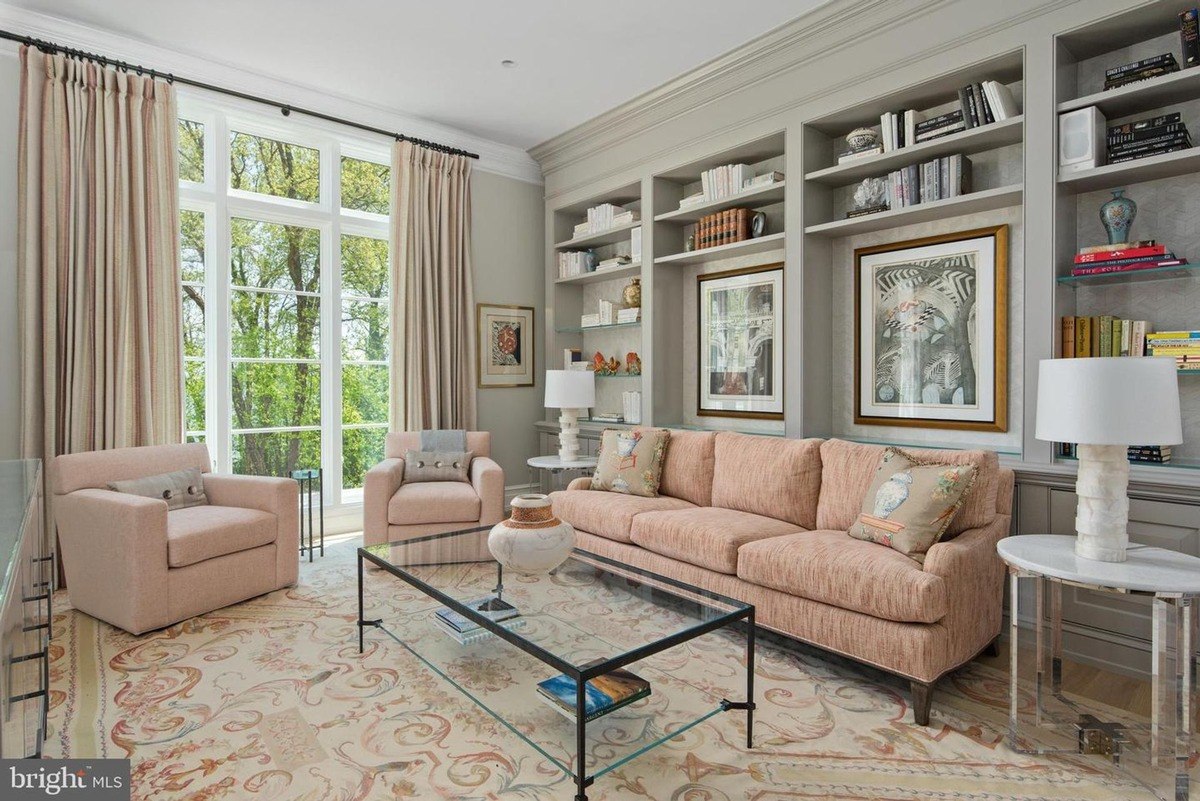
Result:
{"points": [[602, 694]]}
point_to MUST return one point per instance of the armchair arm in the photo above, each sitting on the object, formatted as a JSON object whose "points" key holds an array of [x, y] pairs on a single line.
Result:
{"points": [[487, 478], [277, 496], [115, 556], [581, 483], [379, 485], [973, 574]]}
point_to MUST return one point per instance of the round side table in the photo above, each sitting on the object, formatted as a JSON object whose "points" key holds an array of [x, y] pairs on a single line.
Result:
{"points": [[1172, 580], [556, 467]]}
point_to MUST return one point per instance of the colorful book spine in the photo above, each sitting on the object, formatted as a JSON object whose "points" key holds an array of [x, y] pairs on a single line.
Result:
{"points": [[1120, 253], [1101, 269]]}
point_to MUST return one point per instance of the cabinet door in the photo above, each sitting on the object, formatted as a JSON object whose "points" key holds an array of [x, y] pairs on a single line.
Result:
{"points": [[1174, 526]]}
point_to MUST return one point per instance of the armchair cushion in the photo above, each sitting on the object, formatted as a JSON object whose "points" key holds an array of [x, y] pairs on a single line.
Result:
{"points": [[204, 532], [179, 488], [434, 502]]}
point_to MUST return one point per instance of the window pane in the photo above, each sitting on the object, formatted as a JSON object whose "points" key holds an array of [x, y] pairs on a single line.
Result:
{"points": [[191, 151], [272, 256], [191, 244], [364, 393], [277, 453], [200, 437], [362, 449], [365, 185], [364, 331], [193, 321], [364, 267], [273, 326], [271, 167], [276, 395], [193, 395]]}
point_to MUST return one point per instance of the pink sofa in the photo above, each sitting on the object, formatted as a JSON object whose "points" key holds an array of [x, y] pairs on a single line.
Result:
{"points": [[131, 563], [765, 520]]}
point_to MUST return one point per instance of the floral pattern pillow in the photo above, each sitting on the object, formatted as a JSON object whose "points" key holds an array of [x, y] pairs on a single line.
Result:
{"points": [[911, 502], [631, 460]]}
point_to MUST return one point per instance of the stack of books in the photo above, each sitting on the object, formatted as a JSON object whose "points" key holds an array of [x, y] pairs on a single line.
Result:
{"points": [[1124, 257], [1184, 346], [613, 263], [607, 417], [602, 695], [855, 153], [630, 315], [1152, 136], [603, 217], [942, 125], [1153, 454], [631, 403], [1103, 335], [721, 182], [723, 228], [938, 179], [1142, 70], [575, 262], [465, 631]]}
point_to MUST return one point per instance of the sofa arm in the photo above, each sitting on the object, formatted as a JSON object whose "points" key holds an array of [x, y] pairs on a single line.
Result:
{"points": [[487, 478], [973, 574], [277, 496], [581, 483], [379, 485], [114, 554]]}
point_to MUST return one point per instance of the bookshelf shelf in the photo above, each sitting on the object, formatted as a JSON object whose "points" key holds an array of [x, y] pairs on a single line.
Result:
{"points": [[1151, 168], [974, 140], [985, 200], [745, 248], [1132, 277], [1174, 464], [1176, 87], [631, 269], [600, 238], [578, 329], [762, 196]]}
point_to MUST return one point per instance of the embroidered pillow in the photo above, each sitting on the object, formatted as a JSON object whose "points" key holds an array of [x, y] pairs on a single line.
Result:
{"points": [[180, 489], [910, 503], [631, 461], [422, 466]]}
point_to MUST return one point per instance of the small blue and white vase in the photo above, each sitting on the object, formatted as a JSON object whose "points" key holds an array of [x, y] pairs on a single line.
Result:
{"points": [[1117, 216]]}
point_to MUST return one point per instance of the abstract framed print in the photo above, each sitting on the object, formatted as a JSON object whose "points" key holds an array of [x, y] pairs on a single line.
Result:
{"points": [[505, 345], [740, 343], [931, 332]]}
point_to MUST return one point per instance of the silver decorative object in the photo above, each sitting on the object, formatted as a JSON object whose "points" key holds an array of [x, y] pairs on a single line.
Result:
{"points": [[871, 193], [861, 138]]}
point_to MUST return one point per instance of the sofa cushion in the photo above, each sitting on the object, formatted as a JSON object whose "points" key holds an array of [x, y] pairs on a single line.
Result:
{"points": [[434, 502], [769, 476], [204, 532], [707, 536], [608, 514], [833, 568], [848, 468], [688, 466]]}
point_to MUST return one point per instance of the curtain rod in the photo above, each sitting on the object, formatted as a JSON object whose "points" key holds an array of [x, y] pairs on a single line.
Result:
{"points": [[284, 108]]}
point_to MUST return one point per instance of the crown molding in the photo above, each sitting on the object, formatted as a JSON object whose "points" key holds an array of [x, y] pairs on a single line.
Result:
{"points": [[494, 157]]}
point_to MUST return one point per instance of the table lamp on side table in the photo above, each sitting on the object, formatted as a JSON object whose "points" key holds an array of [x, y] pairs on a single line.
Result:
{"points": [[571, 391], [1105, 405]]}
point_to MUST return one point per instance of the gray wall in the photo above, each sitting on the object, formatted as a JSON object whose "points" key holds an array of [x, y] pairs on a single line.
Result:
{"points": [[10, 398], [506, 248]]}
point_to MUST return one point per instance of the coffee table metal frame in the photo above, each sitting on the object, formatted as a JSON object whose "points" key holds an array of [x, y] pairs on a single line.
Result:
{"points": [[579, 775]]}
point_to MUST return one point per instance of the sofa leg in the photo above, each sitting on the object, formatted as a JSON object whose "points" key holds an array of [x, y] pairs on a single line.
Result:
{"points": [[992, 648], [922, 697]]}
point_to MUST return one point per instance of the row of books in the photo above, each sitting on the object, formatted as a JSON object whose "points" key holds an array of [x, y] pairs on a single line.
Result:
{"points": [[577, 262], [1152, 136], [1141, 70], [1147, 454], [605, 216], [1183, 346], [1103, 335], [938, 179], [1125, 257], [723, 228], [728, 181], [465, 631], [979, 104]]}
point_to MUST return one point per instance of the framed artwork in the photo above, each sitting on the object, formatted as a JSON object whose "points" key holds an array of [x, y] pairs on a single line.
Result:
{"points": [[740, 343], [505, 345], [931, 332]]}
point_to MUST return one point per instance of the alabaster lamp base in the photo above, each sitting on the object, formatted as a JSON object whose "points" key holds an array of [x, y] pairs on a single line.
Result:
{"points": [[568, 435], [1102, 515]]}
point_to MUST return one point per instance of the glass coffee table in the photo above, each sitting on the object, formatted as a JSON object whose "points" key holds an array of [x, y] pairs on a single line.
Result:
{"points": [[587, 618]]}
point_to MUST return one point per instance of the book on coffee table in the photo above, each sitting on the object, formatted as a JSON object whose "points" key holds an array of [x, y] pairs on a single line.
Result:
{"points": [[478, 633], [490, 606], [603, 694]]}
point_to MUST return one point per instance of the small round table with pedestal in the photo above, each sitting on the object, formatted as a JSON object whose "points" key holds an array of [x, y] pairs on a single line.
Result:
{"points": [[556, 466]]}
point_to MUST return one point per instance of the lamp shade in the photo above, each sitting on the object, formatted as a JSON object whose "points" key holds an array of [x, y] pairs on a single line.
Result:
{"points": [[570, 389], [1109, 401]]}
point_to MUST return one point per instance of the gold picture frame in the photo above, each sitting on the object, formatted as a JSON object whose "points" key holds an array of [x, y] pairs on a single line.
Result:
{"points": [[507, 346]]}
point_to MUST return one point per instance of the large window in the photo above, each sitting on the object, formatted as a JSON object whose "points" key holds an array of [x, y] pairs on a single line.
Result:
{"points": [[286, 312]]}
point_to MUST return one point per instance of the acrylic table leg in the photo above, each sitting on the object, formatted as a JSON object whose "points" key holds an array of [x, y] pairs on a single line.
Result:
{"points": [[1158, 667], [1039, 602], [1184, 678], [581, 740], [750, 634], [1014, 649], [1056, 649]]}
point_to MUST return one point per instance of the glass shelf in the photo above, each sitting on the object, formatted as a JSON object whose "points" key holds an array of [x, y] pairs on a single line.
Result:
{"points": [[580, 329], [1132, 276], [1174, 464]]}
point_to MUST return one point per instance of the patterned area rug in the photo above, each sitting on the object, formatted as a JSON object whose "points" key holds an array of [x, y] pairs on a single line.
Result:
{"points": [[270, 699]]}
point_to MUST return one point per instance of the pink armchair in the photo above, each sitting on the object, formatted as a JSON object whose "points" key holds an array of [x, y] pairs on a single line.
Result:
{"points": [[393, 510], [131, 563]]}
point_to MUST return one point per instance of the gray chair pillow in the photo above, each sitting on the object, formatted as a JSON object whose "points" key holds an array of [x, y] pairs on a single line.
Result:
{"points": [[180, 489], [420, 466]]}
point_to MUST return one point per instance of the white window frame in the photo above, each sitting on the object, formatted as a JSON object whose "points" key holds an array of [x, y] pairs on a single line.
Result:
{"points": [[220, 204]]}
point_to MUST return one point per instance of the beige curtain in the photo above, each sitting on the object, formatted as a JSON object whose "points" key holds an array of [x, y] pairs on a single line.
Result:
{"points": [[433, 338], [98, 258]]}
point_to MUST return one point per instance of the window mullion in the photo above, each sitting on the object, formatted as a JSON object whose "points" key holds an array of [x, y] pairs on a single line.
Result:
{"points": [[332, 333], [220, 392]]}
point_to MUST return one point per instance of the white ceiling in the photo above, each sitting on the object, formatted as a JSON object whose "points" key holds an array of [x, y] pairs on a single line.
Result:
{"points": [[440, 59]]}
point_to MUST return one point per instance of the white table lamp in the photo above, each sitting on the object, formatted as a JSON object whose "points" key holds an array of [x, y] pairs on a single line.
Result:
{"points": [[1105, 405], [571, 391]]}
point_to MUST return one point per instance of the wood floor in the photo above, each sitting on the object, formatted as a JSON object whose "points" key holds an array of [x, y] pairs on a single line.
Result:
{"points": [[1114, 689]]}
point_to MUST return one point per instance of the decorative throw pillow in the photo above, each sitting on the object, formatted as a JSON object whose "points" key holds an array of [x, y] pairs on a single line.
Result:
{"points": [[180, 489], [911, 502], [420, 466], [631, 461]]}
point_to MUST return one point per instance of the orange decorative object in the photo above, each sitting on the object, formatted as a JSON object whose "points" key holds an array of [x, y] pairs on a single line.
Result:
{"points": [[599, 364], [614, 364], [633, 363]]}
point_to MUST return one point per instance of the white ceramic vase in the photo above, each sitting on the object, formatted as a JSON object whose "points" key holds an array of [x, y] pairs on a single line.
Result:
{"points": [[533, 540]]}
